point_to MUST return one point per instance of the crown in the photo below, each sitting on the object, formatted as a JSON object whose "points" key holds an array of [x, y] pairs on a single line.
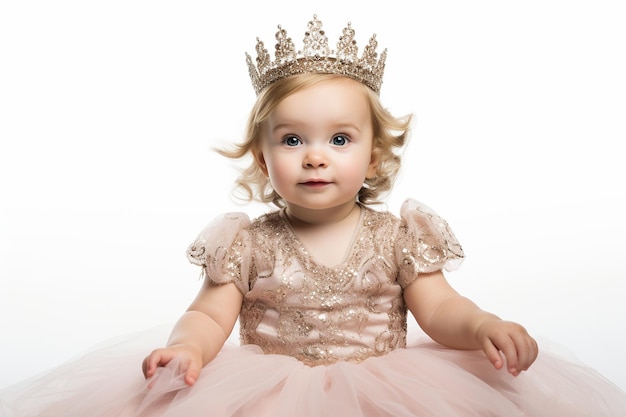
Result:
{"points": [[317, 57]]}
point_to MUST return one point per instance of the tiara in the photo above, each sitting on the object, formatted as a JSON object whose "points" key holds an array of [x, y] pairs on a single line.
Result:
{"points": [[317, 57]]}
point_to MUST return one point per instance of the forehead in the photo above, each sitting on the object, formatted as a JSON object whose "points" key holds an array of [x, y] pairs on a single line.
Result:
{"points": [[335, 100]]}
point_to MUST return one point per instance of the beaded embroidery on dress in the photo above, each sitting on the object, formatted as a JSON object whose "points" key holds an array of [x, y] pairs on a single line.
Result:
{"points": [[318, 341]]}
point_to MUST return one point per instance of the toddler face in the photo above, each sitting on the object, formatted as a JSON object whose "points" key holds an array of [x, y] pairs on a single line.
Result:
{"points": [[317, 145]]}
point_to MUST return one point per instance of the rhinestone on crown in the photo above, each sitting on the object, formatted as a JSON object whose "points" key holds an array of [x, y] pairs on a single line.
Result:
{"points": [[317, 57]]}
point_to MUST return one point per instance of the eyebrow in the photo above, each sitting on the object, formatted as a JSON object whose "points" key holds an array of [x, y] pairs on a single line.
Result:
{"points": [[337, 126]]}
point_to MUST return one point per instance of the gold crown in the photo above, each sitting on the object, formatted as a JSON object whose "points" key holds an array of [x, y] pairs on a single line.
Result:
{"points": [[317, 57]]}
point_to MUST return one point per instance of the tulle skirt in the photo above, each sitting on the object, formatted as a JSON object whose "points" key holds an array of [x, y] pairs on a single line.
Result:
{"points": [[424, 380]]}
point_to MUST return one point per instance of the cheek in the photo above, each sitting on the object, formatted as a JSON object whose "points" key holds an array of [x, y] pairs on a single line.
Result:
{"points": [[359, 169], [279, 170], [356, 176]]}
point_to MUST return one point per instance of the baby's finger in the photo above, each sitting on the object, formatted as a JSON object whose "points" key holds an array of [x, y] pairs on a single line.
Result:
{"points": [[149, 365], [509, 350], [493, 354], [154, 361], [527, 351], [157, 358], [145, 367], [193, 372]]}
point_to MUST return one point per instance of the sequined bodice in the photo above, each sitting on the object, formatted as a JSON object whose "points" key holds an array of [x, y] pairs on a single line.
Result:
{"points": [[320, 314], [294, 306]]}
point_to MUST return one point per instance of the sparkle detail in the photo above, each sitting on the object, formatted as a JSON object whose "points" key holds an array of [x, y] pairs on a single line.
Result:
{"points": [[317, 57]]}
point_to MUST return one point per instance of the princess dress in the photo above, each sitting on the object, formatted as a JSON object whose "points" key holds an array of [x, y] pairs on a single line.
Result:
{"points": [[319, 341]]}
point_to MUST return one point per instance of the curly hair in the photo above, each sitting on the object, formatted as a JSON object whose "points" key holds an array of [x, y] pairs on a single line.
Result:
{"points": [[390, 135]]}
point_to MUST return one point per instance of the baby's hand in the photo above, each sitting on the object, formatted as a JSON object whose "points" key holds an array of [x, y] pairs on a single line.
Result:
{"points": [[519, 349], [189, 357]]}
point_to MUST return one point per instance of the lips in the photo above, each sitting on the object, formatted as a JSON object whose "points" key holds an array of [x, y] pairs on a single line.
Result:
{"points": [[314, 182]]}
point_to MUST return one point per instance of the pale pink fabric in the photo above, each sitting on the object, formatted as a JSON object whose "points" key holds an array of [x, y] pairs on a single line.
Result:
{"points": [[318, 341]]}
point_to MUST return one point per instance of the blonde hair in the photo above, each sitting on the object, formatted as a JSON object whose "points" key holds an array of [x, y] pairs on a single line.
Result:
{"points": [[390, 134]]}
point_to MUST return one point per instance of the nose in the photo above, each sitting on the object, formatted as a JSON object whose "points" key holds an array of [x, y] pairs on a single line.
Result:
{"points": [[315, 158]]}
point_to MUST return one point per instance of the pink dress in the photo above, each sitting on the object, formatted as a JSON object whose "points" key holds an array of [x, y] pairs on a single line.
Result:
{"points": [[318, 341]]}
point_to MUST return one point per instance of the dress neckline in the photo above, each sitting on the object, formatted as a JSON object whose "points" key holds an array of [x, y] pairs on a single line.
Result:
{"points": [[307, 253]]}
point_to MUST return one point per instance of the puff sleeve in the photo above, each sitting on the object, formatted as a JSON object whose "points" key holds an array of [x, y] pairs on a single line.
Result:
{"points": [[222, 250], [425, 243]]}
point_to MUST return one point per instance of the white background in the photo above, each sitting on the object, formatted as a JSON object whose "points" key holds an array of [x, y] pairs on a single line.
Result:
{"points": [[109, 111]]}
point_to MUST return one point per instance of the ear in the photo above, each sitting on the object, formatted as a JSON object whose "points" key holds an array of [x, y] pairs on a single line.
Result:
{"points": [[260, 161], [372, 168]]}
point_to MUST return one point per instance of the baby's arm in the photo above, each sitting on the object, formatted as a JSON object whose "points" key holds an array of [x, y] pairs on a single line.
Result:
{"points": [[456, 322], [201, 332]]}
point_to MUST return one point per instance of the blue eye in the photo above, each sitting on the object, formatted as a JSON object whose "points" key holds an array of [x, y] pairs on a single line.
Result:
{"points": [[291, 141], [339, 140]]}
